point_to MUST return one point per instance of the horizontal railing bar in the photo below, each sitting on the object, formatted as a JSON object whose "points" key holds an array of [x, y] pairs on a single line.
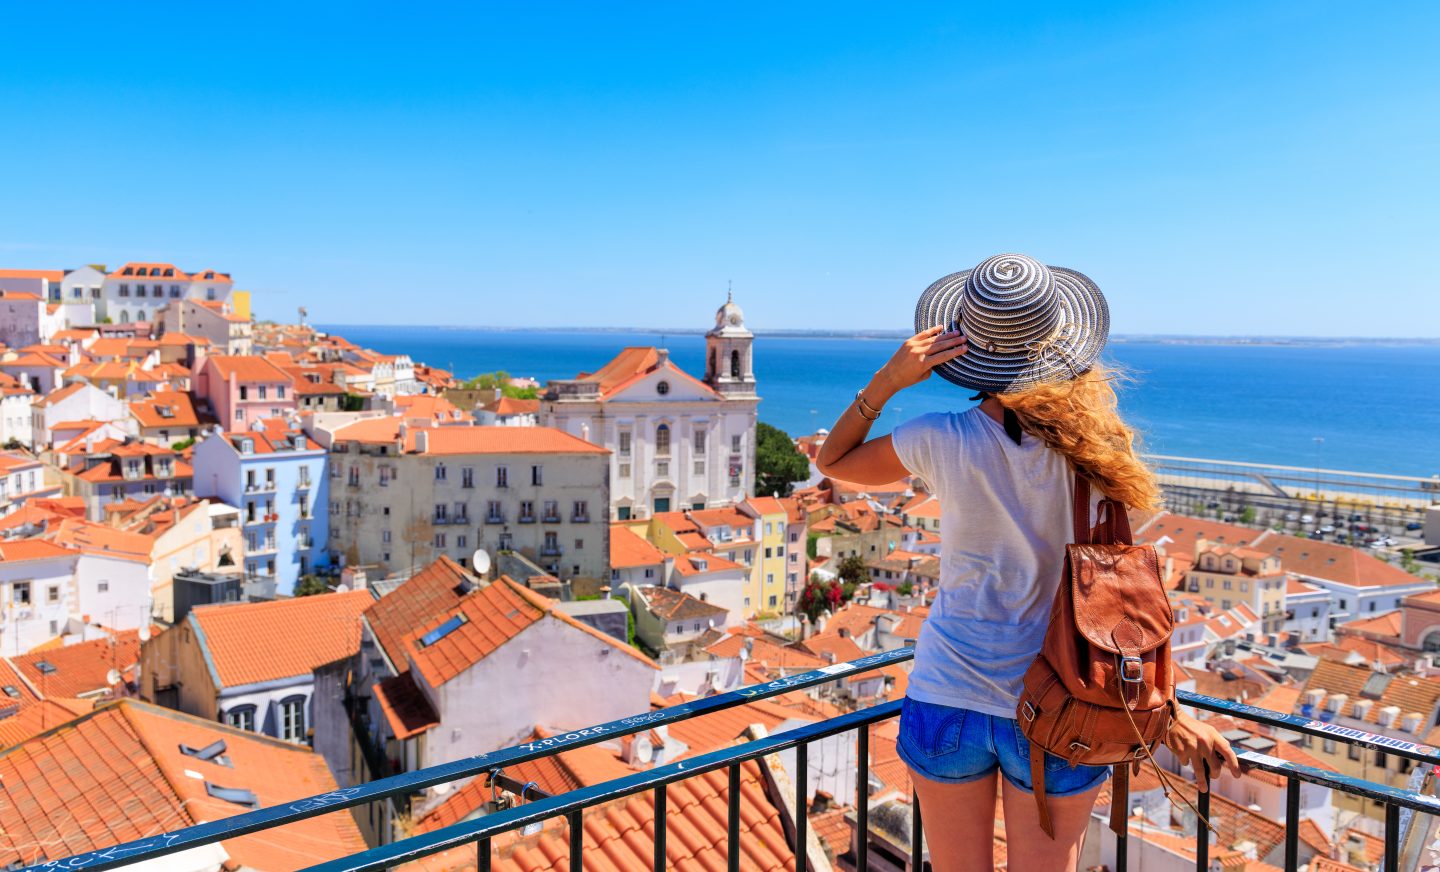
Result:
{"points": [[1344, 783], [1312, 727], [467, 832], [411, 782]]}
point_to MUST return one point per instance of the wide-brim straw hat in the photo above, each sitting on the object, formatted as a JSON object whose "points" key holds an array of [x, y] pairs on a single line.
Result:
{"points": [[1027, 323]]}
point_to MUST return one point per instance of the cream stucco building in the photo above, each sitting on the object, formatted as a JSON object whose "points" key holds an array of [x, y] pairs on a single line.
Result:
{"points": [[676, 442]]}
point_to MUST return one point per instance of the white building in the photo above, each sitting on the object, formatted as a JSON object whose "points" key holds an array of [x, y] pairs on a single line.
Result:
{"points": [[677, 441], [15, 400], [22, 478], [1307, 610], [77, 401], [36, 599], [138, 291]]}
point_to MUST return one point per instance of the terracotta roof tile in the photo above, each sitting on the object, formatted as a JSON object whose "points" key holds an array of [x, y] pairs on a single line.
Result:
{"points": [[1333, 562], [118, 774], [673, 605], [431, 592], [263, 641], [80, 669], [405, 706], [629, 549], [246, 368]]}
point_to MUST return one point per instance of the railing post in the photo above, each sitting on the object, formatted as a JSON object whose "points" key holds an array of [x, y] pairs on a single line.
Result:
{"points": [[802, 806], [662, 817], [1202, 831], [732, 845], [577, 841], [862, 800], [917, 835], [482, 855], [1122, 844], [1392, 837], [1292, 822]]}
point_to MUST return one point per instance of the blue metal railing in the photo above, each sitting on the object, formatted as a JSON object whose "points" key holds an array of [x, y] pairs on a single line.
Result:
{"points": [[480, 831]]}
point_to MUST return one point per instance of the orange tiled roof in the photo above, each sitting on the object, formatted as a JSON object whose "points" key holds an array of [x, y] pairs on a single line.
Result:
{"points": [[54, 275], [1185, 531], [431, 592], [32, 720], [80, 669], [246, 368], [405, 706], [179, 404], [503, 440], [1338, 563], [1387, 624], [628, 549], [1408, 693], [125, 760], [16, 550], [253, 642]]}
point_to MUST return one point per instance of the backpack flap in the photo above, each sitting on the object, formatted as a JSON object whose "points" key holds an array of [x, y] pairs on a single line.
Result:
{"points": [[1119, 599]]}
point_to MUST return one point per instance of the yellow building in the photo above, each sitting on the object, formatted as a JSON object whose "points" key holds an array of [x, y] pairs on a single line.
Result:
{"points": [[767, 573], [1228, 575]]}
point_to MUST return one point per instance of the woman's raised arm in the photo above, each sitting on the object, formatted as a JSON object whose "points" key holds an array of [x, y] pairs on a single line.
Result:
{"points": [[845, 454]]}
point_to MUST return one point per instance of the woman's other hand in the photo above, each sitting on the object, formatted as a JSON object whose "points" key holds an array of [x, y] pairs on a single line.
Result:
{"points": [[1200, 745], [918, 355]]}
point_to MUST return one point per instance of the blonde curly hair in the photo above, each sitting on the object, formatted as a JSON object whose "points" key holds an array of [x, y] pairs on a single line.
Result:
{"points": [[1081, 420]]}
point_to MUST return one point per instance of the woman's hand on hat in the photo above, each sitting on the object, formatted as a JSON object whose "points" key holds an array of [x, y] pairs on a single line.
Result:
{"points": [[918, 355], [1201, 746]]}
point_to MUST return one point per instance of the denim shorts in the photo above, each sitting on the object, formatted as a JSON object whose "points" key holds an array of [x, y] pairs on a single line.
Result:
{"points": [[956, 745]]}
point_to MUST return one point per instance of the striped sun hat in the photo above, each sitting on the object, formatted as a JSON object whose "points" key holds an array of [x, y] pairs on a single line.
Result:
{"points": [[1027, 323]]}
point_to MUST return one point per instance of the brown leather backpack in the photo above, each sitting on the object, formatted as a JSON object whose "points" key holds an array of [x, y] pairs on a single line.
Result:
{"points": [[1101, 691]]}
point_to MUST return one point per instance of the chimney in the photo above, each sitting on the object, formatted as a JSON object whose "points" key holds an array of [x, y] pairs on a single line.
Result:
{"points": [[662, 356], [604, 591], [667, 569]]}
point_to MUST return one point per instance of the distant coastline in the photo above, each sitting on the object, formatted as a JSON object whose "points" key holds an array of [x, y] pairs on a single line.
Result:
{"points": [[1160, 339]]}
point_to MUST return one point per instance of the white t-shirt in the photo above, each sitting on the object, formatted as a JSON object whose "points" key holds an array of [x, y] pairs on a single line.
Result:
{"points": [[1005, 518]]}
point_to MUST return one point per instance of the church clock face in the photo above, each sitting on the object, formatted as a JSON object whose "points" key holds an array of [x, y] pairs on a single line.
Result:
{"points": [[734, 318]]}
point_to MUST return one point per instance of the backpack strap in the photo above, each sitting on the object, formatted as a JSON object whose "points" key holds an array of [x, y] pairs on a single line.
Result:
{"points": [[1082, 510], [1120, 800], [1037, 785]]}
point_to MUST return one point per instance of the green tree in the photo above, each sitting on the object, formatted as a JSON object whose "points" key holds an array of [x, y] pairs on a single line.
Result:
{"points": [[488, 381], [812, 545], [183, 444], [905, 588], [352, 403], [1247, 515], [310, 585], [1408, 562], [852, 570], [778, 463]]}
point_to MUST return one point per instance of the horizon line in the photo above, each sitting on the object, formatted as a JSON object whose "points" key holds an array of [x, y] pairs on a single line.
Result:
{"points": [[860, 333]]}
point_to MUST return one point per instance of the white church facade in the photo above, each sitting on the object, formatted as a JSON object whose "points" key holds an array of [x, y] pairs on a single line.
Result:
{"points": [[676, 442]]}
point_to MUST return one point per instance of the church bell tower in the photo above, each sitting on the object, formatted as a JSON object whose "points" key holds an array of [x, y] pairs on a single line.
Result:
{"points": [[729, 368]]}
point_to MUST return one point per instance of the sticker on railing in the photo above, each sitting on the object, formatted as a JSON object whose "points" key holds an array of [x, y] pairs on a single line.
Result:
{"points": [[836, 668]]}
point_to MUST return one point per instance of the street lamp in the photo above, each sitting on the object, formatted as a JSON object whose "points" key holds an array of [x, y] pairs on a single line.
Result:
{"points": [[1319, 441]]}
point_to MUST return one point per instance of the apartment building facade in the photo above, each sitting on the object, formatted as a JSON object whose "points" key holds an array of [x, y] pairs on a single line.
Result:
{"points": [[402, 497]]}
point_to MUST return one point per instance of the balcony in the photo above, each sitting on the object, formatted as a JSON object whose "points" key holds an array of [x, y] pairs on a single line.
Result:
{"points": [[550, 550], [579, 519], [495, 519], [263, 487], [551, 519], [476, 833]]}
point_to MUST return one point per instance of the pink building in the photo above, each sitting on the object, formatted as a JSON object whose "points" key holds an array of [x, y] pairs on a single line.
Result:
{"points": [[243, 390]]}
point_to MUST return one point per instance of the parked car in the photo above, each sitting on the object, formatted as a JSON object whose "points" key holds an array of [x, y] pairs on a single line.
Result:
{"points": [[1292, 517], [1357, 517], [1327, 529], [1414, 525], [1307, 519]]}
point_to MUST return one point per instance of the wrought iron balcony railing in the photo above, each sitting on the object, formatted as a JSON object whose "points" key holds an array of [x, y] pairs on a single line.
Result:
{"points": [[1400, 804]]}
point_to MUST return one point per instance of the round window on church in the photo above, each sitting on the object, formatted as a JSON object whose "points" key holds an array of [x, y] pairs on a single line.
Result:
{"points": [[662, 388]]}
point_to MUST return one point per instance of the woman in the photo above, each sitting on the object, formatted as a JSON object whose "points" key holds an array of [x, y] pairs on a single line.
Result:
{"points": [[1027, 337]]}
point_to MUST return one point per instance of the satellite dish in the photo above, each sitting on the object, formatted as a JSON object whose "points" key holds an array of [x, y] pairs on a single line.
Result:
{"points": [[113, 677], [145, 633], [480, 560]]}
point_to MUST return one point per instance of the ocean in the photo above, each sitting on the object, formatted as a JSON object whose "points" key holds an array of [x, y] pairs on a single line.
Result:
{"points": [[1372, 408]]}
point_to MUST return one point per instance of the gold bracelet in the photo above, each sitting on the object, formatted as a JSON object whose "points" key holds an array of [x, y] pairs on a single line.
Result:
{"points": [[863, 406]]}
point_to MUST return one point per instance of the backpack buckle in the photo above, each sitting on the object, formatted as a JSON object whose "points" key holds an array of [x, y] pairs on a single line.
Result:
{"points": [[1132, 669], [1027, 711]]}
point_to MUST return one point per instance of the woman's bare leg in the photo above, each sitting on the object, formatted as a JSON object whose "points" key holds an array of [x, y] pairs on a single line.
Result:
{"points": [[1027, 845], [959, 821]]}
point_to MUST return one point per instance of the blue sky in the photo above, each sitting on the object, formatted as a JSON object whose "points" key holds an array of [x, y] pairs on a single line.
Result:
{"points": [[1219, 168]]}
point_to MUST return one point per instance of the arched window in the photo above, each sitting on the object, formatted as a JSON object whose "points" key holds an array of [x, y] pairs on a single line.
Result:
{"points": [[124, 317], [662, 440], [1432, 642], [735, 363]]}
